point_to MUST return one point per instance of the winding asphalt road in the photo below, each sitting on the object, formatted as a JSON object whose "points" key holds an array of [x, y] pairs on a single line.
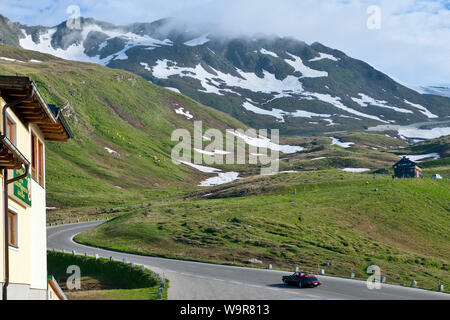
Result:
{"points": [[203, 281]]}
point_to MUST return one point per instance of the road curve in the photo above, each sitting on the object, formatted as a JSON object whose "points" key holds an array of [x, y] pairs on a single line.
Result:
{"points": [[203, 281]]}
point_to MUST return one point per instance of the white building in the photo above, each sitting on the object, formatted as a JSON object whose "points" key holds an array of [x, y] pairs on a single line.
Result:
{"points": [[28, 122]]}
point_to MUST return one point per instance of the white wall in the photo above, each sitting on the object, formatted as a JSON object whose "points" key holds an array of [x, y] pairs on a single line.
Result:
{"points": [[38, 235]]}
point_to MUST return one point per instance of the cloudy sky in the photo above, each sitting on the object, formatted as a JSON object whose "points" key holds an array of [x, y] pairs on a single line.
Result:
{"points": [[407, 39]]}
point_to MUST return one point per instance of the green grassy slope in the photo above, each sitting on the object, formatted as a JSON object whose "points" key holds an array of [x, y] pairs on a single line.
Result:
{"points": [[307, 218], [311, 217], [103, 279], [113, 109]]}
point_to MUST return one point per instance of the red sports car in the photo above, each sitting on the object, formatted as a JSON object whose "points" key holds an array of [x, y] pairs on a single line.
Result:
{"points": [[302, 279]]}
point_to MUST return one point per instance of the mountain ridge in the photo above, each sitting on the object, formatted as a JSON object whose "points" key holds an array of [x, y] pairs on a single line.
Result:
{"points": [[264, 81]]}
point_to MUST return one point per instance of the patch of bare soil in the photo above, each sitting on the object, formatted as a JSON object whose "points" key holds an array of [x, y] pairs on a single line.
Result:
{"points": [[88, 283]]}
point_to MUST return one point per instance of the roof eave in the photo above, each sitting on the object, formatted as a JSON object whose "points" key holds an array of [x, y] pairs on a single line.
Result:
{"points": [[14, 151], [43, 103]]}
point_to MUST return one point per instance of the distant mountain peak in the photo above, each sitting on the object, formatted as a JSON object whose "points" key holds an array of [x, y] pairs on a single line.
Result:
{"points": [[265, 81]]}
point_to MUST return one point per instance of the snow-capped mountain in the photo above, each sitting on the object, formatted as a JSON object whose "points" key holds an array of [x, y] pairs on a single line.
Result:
{"points": [[267, 82]]}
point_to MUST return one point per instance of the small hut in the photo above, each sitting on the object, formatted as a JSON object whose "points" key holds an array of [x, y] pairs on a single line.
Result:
{"points": [[406, 168]]}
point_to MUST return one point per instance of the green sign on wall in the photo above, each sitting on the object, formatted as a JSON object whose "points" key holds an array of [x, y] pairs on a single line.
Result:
{"points": [[22, 187]]}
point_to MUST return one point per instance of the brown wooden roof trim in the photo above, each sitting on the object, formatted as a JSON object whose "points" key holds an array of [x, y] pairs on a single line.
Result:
{"points": [[35, 110], [61, 121], [10, 156], [56, 288]]}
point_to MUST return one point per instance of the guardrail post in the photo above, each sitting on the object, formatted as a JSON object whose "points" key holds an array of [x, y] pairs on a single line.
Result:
{"points": [[322, 271], [413, 283], [96, 256], [383, 279], [440, 287], [269, 267], [352, 275], [296, 269], [143, 268]]}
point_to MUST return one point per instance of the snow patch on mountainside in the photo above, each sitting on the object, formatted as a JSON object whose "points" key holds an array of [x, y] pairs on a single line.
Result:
{"points": [[331, 122], [306, 71], [77, 52], [19, 61], [280, 114], [198, 41], [336, 141], [355, 170], [276, 113], [211, 83], [173, 89], [263, 142], [324, 56], [111, 151], [146, 66], [163, 70], [211, 153], [267, 52], [200, 168], [10, 60], [422, 109], [186, 113], [307, 114], [365, 101], [336, 101], [222, 178]]}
